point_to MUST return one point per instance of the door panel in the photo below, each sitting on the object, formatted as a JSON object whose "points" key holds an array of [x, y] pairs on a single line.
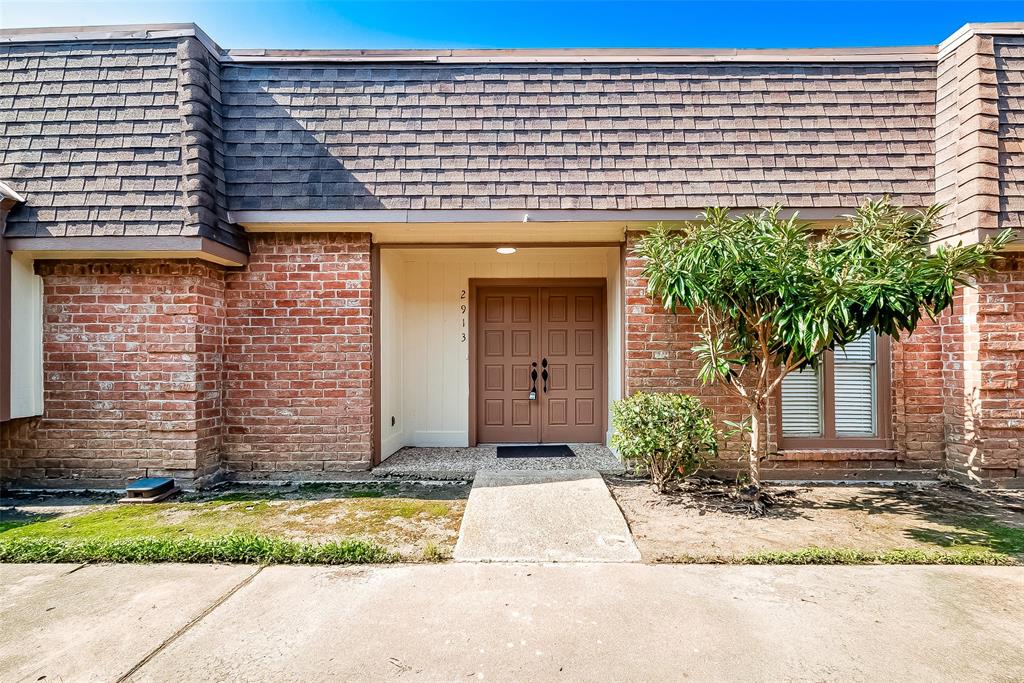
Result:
{"points": [[520, 326], [508, 328], [573, 345]]}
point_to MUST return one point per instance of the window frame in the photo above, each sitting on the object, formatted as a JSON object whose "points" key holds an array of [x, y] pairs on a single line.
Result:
{"points": [[883, 438]]}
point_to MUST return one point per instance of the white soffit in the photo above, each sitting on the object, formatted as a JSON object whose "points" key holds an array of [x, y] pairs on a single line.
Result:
{"points": [[462, 233], [483, 226]]}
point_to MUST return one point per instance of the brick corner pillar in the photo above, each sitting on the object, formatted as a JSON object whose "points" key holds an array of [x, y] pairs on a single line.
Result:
{"points": [[131, 376], [299, 358], [983, 351]]}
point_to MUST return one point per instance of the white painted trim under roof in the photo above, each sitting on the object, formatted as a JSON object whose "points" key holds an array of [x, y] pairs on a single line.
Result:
{"points": [[630, 217], [127, 246]]}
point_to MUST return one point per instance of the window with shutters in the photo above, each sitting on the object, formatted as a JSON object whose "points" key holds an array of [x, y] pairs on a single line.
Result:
{"points": [[843, 403]]}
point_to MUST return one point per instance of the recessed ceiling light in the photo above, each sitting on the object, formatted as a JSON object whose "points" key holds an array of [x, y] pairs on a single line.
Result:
{"points": [[506, 250]]}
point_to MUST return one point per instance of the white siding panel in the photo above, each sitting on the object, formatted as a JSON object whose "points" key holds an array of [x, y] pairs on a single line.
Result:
{"points": [[391, 341], [26, 338]]}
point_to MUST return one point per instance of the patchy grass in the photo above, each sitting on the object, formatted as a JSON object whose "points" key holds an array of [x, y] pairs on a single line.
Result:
{"points": [[233, 548], [8, 524], [814, 555], [974, 534], [432, 553], [383, 522]]}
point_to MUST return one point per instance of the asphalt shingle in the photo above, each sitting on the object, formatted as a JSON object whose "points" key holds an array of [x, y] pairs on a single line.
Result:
{"points": [[568, 136]]}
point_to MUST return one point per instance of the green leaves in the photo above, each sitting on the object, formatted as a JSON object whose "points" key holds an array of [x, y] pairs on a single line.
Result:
{"points": [[664, 435], [776, 291]]}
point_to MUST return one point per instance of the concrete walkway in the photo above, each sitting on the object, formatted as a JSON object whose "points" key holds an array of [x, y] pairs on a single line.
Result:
{"points": [[565, 622], [543, 516]]}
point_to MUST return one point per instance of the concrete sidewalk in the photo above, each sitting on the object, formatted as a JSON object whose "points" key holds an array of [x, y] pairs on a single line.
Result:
{"points": [[566, 622], [543, 516]]}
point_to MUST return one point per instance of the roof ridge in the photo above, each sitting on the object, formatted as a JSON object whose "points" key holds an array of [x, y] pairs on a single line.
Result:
{"points": [[509, 55]]}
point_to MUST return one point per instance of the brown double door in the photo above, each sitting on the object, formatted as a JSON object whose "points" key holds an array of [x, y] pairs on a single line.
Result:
{"points": [[540, 364]]}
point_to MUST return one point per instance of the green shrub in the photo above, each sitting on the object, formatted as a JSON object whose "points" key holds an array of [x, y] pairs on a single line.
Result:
{"points": [[665, 436]]}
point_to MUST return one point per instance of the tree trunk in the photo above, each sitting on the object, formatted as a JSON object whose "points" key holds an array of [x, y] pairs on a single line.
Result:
{"points": [[754, 455]]}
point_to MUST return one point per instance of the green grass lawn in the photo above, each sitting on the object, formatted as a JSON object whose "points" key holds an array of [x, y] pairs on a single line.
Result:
{"points": [[323, 524]]}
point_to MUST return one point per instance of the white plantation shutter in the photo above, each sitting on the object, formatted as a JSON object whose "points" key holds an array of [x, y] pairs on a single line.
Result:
{"points": [[801, 403], [855, 387]]}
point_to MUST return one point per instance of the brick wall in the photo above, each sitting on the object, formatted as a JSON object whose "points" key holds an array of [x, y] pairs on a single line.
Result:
{"points": [[659, 357], [191, 370], [918, 404], [298, 368], [983, 356], [131, 368], [209, 361], [183, 369], [659, 354]]}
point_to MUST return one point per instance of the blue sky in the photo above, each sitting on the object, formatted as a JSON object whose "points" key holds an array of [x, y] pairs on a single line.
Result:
{"points": [[500, 23]]}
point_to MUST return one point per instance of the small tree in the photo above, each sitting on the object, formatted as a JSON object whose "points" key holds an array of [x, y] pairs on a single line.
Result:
{"points": [[773, 294]]}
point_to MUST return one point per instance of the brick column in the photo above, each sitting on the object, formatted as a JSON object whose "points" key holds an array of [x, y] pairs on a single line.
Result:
{"points": [[299, 358], [918, 404], [983, 353]]}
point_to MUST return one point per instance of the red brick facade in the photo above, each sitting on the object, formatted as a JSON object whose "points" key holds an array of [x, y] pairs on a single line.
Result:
{"points": [[658, 349], [934, 427], [299, 357], [983, 377], [198, 371], [191, 370], [131, 363]]}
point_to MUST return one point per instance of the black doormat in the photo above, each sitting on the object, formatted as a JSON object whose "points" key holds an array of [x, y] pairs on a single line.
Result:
{"points": [[535, 452]]}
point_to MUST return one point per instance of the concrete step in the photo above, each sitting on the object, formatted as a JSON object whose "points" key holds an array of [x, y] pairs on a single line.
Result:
{"points": [[543, 516]]}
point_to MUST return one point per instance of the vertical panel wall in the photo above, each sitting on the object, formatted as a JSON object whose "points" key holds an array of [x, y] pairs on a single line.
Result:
{"points": [[26, 378], [425, 373]]}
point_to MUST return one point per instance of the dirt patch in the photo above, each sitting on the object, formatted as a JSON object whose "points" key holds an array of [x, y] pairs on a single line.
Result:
{"points": [[698, 523], [417, 521]]}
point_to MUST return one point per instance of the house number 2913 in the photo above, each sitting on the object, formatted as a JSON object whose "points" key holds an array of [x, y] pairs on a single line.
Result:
{"points": [[462, 313]]}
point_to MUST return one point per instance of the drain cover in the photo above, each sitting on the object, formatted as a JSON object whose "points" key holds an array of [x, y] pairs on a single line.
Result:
{"points": [[149, 490]]}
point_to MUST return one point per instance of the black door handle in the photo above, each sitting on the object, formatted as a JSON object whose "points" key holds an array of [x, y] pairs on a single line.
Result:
{"points": [[544, 373], [533, 381]]}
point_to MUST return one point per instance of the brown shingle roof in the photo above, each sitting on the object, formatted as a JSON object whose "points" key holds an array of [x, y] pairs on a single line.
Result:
{"points": [[569, 136], [156, 130]]}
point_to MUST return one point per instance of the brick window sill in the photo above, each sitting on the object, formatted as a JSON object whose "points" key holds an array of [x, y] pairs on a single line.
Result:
{"points": [[838, 454]]}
